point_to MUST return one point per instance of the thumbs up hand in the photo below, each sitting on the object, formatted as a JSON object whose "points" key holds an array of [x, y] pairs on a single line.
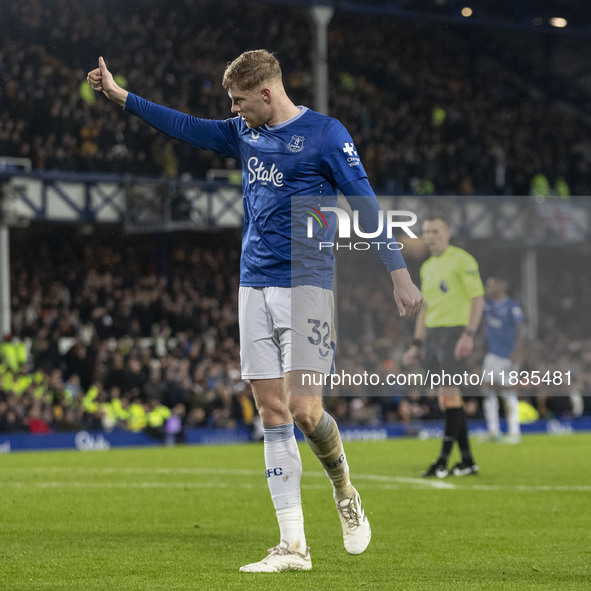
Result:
{"points": [[101, 80]]}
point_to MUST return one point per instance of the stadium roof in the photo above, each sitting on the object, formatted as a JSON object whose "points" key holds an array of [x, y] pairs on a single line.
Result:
{"points": [[567, 17]]}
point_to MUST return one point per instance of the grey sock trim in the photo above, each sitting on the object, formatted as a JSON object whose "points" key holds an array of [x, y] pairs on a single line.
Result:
{"points": [[323, 429], [278, 433]]}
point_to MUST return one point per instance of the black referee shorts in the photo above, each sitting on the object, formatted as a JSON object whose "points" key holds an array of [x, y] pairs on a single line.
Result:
{"points": [[440, 343]]}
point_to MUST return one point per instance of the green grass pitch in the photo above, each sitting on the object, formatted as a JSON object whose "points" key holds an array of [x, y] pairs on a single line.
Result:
{"points": [[186, 518]]}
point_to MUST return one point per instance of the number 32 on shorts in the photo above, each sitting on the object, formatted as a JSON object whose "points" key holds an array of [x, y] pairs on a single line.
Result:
{"points": [[321, 334]]}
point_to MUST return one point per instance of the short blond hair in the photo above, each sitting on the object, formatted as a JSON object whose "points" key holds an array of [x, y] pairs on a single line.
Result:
{"points": [[251, 69]]}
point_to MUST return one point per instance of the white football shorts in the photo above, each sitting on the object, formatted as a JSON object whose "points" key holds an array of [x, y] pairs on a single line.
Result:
{"points": [[285, 329], [497, 365]]}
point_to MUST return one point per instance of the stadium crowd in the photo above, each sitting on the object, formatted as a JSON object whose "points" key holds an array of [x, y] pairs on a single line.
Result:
{"points": [[125, 333], [428, 110], [111, 341], [124, 337]]}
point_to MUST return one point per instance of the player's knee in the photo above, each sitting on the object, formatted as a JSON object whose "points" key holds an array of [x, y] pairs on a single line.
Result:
{"points": [[307, 419], [274, 413]]}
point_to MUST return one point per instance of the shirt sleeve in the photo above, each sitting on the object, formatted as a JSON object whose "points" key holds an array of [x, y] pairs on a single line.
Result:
{"points": [[516, 313], [341, 165], [210, 134], [362, 200], [340, 162], [471, 277]]}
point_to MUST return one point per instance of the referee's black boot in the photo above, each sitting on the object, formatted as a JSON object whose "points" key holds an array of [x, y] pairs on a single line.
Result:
{"points": [[437, 469], [465, 468]]}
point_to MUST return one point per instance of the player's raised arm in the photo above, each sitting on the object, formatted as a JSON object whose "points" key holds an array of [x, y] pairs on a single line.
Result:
{"points": [[202, 133], [101, 80]]}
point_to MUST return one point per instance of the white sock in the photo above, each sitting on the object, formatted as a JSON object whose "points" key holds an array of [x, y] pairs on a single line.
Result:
{"points": [[284, 474], [512, 413], [291, 527], [490, 406]]}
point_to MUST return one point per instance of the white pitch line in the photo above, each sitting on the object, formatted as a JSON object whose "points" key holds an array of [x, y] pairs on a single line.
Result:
{"points": [[69, 484], [386, 481], [384, 485], [532, 487], [102, 484], [422, 482], [429, 483]]}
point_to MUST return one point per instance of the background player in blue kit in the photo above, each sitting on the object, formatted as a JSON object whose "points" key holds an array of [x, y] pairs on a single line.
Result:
{"points": [[292, 158], [503, 322]]}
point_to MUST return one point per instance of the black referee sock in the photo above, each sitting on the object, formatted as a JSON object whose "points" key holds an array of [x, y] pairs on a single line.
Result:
{"points": [[453, 417], [463, 440]]}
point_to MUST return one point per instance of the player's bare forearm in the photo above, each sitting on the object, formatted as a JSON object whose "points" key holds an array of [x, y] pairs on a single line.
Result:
{"points": [[407, 295], [519, 351], [420, 329], [101, 80], [413, 353], [475, 313], [464, 346]]}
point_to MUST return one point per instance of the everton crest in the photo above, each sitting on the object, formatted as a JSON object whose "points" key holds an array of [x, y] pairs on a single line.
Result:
{"points": [[296, 143]]}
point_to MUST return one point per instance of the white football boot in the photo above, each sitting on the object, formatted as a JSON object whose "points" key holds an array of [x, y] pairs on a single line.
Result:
{"points": [[356, 529], [280, 558]]}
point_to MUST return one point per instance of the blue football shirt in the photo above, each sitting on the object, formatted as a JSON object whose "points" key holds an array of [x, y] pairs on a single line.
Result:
{"points": [[288, 171], [500, 320]]}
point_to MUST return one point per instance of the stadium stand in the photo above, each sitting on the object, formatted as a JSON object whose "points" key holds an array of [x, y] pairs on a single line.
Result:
{"points": [[117, 327], [422, 114], [117, 331]]}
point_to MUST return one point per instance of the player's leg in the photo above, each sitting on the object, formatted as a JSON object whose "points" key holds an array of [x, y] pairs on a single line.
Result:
{"points": [[440, 358], [321, 433], [284, 472], [466, 466], [490, 407], [309, 359], [512, 415], [450, 401], [323, 436], [261, 364], [283, 465], [492, 366]]}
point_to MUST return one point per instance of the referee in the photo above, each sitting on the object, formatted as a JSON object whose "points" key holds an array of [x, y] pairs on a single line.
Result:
{"points": [[454, 301]]}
